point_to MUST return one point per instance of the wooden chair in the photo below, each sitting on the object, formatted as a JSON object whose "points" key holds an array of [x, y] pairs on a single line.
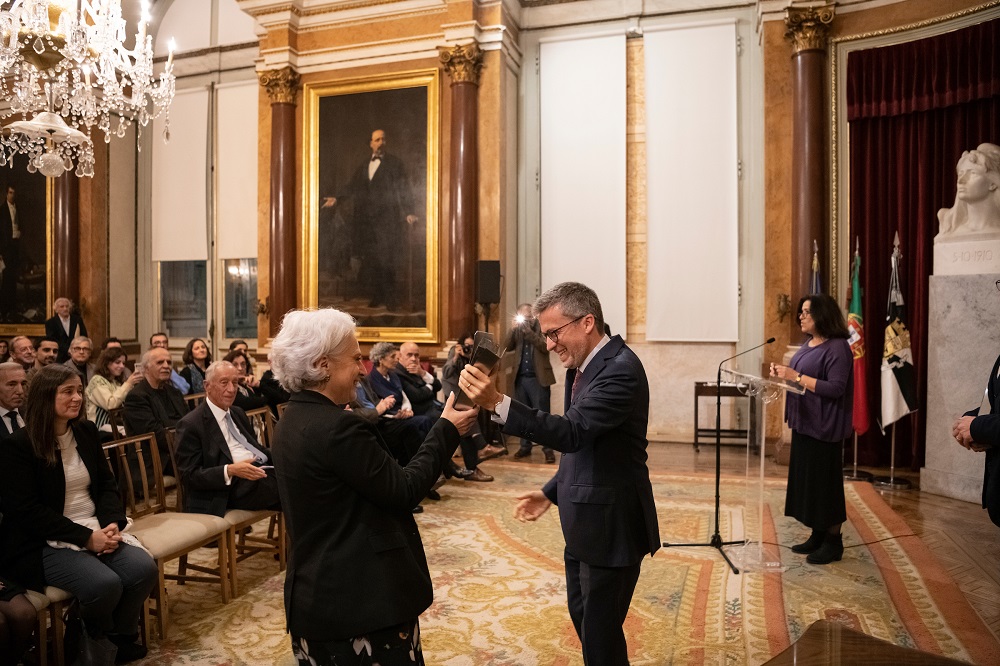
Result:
{"points": [[242, 545], [166, 535], [193, 400], [117, 422], [281, 409], [263, 424]]}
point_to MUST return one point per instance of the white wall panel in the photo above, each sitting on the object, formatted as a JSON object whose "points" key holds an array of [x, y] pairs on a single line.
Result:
{"points": [[236, 173], [180, 171], [691, 183], [582, 99]]}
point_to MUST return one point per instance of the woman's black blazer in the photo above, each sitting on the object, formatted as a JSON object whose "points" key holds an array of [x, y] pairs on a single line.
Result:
{"points": [[357, 561], [34, 496]]}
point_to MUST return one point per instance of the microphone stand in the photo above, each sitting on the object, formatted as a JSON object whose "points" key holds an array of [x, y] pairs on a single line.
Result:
{"points": [[716, 541]]}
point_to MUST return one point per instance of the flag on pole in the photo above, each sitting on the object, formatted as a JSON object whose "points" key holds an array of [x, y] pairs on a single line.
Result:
{"points": [[899, 381], [856, 329], [814, 284]]}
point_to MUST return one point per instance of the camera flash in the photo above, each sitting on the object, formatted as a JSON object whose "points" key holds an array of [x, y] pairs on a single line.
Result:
{"points": [[520, 319]]}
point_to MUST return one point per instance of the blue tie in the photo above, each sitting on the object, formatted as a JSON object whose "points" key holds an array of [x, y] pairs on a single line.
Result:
{"points": [[235, 433]]}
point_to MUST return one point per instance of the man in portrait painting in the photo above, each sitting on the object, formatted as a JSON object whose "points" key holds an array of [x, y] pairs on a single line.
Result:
{"points": [[10, 254], [382, 212]]}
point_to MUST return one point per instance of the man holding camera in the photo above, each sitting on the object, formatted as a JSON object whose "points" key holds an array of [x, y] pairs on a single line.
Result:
{"points": [[526, 367]]}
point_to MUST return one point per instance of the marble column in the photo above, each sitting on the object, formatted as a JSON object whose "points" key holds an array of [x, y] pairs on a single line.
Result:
{"points": [[463, 64], [807, 29], [282, 88], [66, 237]]}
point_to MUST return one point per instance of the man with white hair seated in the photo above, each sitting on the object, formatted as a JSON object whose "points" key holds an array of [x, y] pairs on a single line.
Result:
{"points": [[221, 463], [80, 351]]}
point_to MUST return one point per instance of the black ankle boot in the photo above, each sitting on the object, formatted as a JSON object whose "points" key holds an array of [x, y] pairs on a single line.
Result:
{"points": [[811, 544], [831, 550], [129, 648]]}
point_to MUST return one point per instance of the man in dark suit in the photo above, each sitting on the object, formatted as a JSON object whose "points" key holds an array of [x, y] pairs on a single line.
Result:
{"points": [[420, 386], [155, 404], [602, 486], [10, 254], [63, 326], [526, 367], [13, 386], [380, 193], [219, 458], [981, 433]]}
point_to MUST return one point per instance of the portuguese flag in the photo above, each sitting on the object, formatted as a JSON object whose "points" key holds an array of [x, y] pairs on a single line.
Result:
{"points": [[856, 329]]}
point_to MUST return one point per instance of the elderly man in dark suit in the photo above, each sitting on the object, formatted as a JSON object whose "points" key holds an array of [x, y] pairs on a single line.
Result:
{"points": [[63, 326], [602, 486], [220, 461], [154, 405]]}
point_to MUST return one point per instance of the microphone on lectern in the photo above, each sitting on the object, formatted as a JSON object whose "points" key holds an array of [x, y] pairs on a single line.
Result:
{"points": [[747, 351]]}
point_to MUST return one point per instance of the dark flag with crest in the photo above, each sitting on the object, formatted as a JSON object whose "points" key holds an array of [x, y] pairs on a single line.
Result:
{"points": [[899, 380]]}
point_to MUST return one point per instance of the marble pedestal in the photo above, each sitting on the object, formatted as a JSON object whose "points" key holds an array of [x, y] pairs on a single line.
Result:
{"points": [[962, 344]]}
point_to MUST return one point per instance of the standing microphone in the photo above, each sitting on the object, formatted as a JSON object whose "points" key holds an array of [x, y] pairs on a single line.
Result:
{"points": [[767, 342]]}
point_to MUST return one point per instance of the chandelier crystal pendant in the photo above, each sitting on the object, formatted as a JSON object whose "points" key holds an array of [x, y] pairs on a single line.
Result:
{"points": [[64, 68]]}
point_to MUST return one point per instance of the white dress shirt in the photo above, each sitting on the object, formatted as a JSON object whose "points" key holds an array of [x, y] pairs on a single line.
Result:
{"points": [[238, 452]]}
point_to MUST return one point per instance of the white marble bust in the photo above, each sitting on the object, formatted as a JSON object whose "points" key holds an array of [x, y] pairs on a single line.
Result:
{"points": [[976, 213]]}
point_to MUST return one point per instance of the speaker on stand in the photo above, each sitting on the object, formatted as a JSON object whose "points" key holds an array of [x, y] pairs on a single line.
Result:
{"points": [[488, 281]]}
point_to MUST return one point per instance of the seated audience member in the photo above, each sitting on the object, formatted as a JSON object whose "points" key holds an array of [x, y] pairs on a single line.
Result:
{"points": [[196, 360], [115, 342], [65, 515], [419, 386], [17, 614], [161, 341], [247, 395], [385, 382], [155, 404], [22, 351], [45, 354], [65, 325], [241, 345], [108, 388], [473, 440], [13, 386], [272, 391], [218, 455], [79, 359], [4, 351]]}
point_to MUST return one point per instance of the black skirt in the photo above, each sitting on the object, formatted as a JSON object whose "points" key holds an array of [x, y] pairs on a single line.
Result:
{"points": [[815, 494], [9, 589]]}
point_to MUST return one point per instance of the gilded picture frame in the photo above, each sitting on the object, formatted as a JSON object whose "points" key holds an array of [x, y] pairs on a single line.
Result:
{"points": [[370, 203], [23, 310]]}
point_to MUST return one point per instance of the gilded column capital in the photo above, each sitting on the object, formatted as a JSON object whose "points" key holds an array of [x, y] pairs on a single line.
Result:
{"points": [[807, 27], [462, 62], [282, 84]]}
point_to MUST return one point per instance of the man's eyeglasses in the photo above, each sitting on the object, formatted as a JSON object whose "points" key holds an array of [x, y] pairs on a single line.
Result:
{"points": [[81, 349], [553, 335]]}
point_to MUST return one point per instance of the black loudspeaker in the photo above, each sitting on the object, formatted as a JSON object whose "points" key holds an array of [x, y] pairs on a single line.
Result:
{"points": [[488, 282]]}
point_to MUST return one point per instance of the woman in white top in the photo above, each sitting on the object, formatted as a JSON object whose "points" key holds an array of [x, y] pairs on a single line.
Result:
{"points": [[63, 514], [107, 391]]}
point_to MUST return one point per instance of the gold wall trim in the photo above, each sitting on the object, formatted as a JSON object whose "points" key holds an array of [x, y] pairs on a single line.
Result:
{"points": [[834, 42]]}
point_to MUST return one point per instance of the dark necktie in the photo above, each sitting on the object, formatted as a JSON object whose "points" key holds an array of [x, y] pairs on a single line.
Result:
{"points": [[14, 425], [576, 383]]}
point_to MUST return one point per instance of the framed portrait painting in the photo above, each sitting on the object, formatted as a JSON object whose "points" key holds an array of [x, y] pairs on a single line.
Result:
{"points": [[370, 203], [25, 232]]}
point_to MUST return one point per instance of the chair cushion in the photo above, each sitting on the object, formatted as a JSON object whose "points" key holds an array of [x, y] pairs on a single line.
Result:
{"points": [[37, 599], [242, 516], [166, 533]]}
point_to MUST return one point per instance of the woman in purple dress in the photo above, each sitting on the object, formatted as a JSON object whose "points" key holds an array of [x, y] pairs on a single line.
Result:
{"points": [[820, 420]]}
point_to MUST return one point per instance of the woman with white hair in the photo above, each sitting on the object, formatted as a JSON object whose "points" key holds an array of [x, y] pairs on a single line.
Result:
{"points": [[358, 578]]}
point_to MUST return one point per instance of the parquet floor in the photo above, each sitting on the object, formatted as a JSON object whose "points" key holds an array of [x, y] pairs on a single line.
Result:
{"points": [[959, 534]]}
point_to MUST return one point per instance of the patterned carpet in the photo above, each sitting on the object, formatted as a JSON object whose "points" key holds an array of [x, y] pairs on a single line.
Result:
{"points": [[500, 594]]}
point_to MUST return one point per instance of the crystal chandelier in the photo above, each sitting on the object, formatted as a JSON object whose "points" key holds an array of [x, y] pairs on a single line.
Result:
{"points": [[63, 69]]}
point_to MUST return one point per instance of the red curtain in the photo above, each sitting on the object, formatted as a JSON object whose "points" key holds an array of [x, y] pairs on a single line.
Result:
{"points": [[913, 109]]}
